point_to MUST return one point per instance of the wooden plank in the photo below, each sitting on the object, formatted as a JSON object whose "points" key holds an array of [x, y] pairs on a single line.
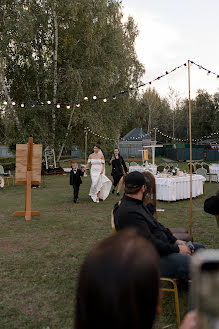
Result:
{"points": [[36, 164], [19, 213], [21, 163]]}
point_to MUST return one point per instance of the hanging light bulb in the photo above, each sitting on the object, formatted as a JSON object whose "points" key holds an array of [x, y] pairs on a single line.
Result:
{"points": [[217, 77], [22, 105], [114, 97], [131, 86], [58, 106], [86, 98], [68, 107], [13, 103], [105, 100], [208, 72], [48, 102], [5, 103], [78, 105], [94, 98]]}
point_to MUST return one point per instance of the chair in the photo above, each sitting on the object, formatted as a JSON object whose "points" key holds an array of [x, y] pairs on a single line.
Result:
{"points": [[133, 164], [176, 295], [160, 168], [7, 176], [163, 279], [198, 165], [2, 172], [206, 166], [202, 172], [193, 167], [217, 220]]}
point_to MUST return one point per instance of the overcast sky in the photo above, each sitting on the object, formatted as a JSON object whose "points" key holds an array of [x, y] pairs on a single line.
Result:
{"points": [[170, 33]]}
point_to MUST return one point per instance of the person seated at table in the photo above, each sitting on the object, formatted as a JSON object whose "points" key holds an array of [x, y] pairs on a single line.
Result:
{"points": [[119, 285], [212, 204], [150, 201], [130, 212]]}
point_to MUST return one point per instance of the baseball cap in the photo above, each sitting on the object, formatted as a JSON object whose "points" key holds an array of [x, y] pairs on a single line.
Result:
{"points": [[135, 178]]}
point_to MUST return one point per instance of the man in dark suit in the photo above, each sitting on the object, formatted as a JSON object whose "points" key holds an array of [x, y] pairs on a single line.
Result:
{"points": [[75, 179]]}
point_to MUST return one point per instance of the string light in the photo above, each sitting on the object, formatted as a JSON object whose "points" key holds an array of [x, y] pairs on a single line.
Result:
{"points": [[78, 105], [130, 86], [68, 107], [5, 103], [22, 105], [95, 134]]}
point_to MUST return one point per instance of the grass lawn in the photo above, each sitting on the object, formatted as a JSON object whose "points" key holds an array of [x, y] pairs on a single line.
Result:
{"points": [[40, 259]]}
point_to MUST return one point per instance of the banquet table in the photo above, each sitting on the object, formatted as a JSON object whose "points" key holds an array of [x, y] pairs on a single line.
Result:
{"points": [[175, 188], [214, 169], [152, 168]]}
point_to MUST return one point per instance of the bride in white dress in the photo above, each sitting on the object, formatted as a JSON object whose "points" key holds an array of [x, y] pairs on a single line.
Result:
{"points": [[101, 185]]}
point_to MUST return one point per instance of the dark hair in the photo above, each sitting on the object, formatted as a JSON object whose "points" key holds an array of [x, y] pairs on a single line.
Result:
{"points": [[130, 189], [98, 146], [118, 284], [150, 196]]}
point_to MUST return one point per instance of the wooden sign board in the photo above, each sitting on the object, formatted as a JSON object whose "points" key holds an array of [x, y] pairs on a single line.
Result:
{"points": [[21, 164], [28, 172]]}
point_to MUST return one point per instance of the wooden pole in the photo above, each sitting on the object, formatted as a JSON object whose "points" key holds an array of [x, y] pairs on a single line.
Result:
{"points": [[85, 148], [190, 142]]}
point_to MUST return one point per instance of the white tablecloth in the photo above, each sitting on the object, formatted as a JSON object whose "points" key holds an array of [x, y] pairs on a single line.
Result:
{"points": [[178, 188], [145, 168], [214, 170]]}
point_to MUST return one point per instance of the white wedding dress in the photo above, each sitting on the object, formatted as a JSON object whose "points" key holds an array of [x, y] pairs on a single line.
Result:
{"points": [[100, 183]]}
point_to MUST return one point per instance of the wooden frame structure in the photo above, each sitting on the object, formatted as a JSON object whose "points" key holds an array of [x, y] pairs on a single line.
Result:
{"points": [[28, 172]]}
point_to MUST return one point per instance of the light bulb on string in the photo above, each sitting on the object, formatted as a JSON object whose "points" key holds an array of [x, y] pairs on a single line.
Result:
{"points": [[48, 102], [208, 72], [22, 105], [105, 100], [13, 103], [78, 105], [131, 86], [114, 97], [5, 103], [86, 98], [94, 98], [58, 106], [68, 107]]}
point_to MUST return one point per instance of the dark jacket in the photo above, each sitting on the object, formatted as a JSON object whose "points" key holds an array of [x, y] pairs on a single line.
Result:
{"points": [[117, 165], [75, 179], [132, 213], [212, 205]]}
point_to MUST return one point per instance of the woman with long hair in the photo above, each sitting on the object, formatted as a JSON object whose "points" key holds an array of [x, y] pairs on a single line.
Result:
{"points": [[150, 200], [100, 184], [118, 169]]}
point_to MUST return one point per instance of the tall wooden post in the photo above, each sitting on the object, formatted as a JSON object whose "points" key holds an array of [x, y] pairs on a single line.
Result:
{"points": [[190, 142], [28, 172], [85, 147]]}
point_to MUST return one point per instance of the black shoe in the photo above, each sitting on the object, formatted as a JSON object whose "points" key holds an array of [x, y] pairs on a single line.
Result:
{"points": [[75, 201], [118, 194], [113, 191]]}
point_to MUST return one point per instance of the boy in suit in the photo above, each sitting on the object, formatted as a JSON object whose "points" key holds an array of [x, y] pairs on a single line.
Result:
{"points": [[75, 179]]}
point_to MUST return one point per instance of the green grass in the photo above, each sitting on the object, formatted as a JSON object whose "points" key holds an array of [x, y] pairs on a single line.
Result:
{"points": [[40, 259]]}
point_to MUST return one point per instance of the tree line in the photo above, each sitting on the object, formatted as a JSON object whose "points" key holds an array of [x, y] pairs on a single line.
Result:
{"points": [[62, 51]]}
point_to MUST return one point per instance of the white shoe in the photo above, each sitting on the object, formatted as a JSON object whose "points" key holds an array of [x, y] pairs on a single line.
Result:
{"points": [[97, 201]]}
